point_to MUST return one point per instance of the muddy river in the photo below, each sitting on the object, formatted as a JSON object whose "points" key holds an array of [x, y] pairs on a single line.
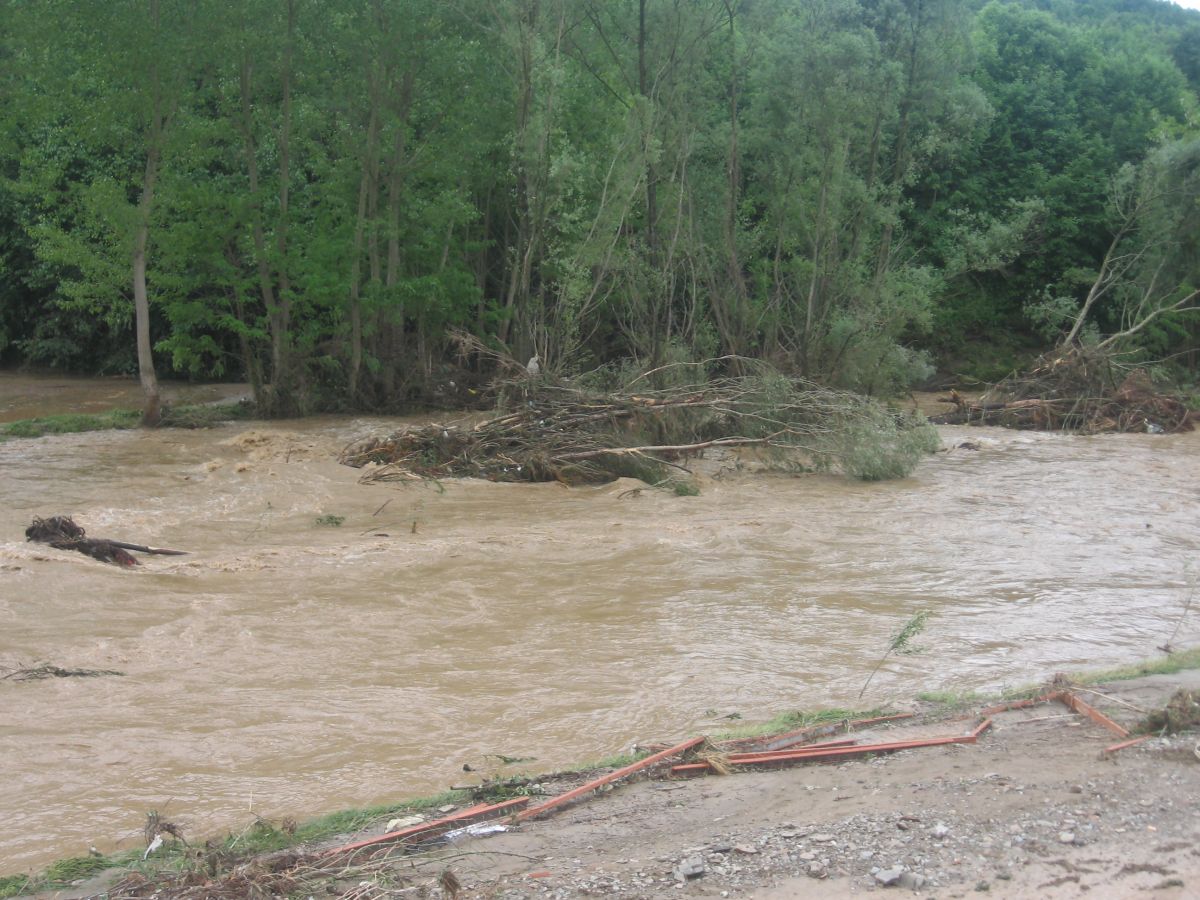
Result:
{"points": [[288, 668]]}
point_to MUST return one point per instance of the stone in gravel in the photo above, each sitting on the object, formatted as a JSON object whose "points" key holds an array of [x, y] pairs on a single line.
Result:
{"points": [[816, 870], [745, 848], [888, 877], [939, 830], [689, 867], [720, 848], [821, 838], [1066, 837], [912, 881]]}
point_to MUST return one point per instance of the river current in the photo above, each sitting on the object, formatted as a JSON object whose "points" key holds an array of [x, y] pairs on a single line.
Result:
{"points": [[286, 667]]}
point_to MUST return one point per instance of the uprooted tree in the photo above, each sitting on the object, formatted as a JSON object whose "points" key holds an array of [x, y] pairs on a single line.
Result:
{"points": [[1146, 290], [552, 430], [61, 533]]}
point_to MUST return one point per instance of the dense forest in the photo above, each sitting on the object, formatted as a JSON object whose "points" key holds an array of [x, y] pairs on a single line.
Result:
{"points": [[347, 203]]}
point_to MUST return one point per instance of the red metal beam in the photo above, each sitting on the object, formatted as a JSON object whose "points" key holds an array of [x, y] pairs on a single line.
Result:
{"points": [[481, 811], [554, 802], [982, 727], [1131, 742], [1075, 704], [781, 756], [794, 752], [1016, 704]]}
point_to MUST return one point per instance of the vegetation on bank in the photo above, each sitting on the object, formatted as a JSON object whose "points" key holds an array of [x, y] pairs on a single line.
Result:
{"points": [[198, 416], [263, 836], [316, 197]]}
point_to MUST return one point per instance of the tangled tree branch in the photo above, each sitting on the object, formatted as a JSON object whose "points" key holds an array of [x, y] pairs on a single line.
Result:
{"points": [[562, 431]]}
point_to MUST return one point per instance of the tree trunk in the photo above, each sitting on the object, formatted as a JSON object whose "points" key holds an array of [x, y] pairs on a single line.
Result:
{"points": [[281, 333], [152, 410], [266, 285], [367, 184]]}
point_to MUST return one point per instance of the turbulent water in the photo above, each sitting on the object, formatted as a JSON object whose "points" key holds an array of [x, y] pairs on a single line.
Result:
{"points": [[286, 667]]}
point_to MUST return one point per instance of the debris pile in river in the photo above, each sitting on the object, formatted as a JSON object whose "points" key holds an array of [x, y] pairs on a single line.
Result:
{"points": [[1077, 389], [563, 431], [61, 533]]}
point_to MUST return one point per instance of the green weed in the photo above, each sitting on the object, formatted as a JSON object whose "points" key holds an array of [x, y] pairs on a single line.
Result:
{"points": [[122, 419]]}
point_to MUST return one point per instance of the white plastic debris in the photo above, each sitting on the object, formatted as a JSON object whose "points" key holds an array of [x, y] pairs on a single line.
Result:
{"points": [[479, 829], [154, 845]]}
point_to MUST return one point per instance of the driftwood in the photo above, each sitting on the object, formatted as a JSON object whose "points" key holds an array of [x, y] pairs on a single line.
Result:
{"points": [[1078, 389], [37, 673], [61, 533]]}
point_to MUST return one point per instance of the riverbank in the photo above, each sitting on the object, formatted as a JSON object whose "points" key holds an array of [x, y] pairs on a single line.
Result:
{"points": [[1035, 807]]}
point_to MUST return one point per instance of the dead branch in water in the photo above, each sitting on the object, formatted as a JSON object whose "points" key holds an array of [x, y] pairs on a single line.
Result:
{"points": [[61, 533]]}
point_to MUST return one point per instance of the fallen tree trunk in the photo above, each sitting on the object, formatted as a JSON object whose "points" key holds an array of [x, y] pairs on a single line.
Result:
{"points": [[61, 533]]}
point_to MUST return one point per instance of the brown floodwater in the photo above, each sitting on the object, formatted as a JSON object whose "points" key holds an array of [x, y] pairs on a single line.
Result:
{"points": [[288, 668]]}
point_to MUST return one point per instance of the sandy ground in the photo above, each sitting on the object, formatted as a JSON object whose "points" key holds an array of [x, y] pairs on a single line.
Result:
{"points": [[1035, 808]]}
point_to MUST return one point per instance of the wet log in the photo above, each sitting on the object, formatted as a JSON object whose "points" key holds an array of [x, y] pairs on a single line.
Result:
{"points": [[61, 533]]}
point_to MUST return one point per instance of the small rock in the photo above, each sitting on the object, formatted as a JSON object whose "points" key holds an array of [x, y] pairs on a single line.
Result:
{"points": [[1076, 789], [404, 822], [821, 838], [983, 886], [449, 807], [888, 877], [912, 881], [939, 830], [816, 870], [689, 867], [745, 848], [1066, 837]]}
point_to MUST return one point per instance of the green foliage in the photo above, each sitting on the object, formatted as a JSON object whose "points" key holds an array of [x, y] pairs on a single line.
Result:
{"points": [[796, 719], [69, 423], [65, 871], [685, 488], [883, 446], [329, 520], [851, 190], [186, 416], [901, 642]]}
